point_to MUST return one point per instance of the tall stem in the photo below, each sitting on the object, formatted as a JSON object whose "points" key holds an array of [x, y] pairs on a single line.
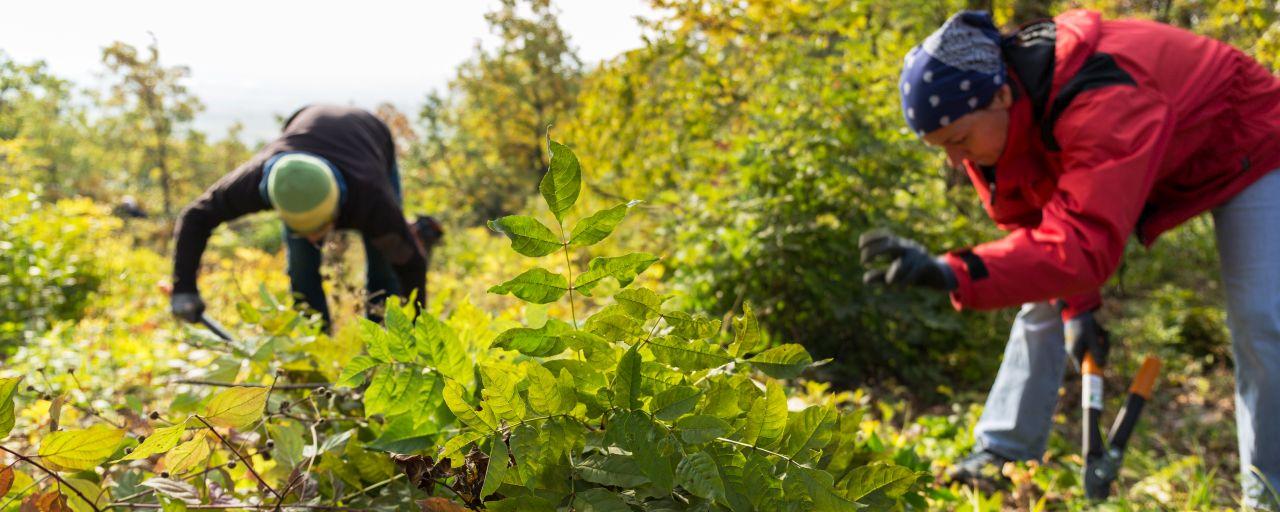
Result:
{"points": [[569, 266]]}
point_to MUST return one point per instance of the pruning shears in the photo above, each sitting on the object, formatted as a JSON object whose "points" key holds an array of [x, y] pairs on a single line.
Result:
{"points": [[1102, 461], [216, 328]]}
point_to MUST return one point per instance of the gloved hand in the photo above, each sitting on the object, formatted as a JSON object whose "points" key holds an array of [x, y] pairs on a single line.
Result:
{"points": [[187, 306], [910, 263], [1086, 336]]}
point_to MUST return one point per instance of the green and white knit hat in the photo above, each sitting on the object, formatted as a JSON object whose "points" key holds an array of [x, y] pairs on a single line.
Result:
{"points": [[305, 192]]}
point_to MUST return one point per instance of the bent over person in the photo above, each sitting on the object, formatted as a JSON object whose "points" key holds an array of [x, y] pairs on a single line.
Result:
{"points": [[1078, 132], [332, 168]]}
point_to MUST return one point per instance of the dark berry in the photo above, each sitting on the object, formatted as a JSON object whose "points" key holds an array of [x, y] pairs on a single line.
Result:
{"points": [[271, 443], [128, 450], [142, 438], [155, 415], [164, 474], [231, 464], [266, 455]]}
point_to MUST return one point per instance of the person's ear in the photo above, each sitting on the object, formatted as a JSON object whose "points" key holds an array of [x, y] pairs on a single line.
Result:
{"points": [[1003, 98]]}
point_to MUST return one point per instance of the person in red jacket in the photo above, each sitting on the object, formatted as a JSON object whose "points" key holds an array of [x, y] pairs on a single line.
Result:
{"points": [[1078, 132]]}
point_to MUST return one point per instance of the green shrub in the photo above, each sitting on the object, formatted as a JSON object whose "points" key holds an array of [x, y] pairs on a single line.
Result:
{"points": [[49, 261]]}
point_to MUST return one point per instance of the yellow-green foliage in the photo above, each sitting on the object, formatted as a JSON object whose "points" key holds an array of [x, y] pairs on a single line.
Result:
{"points": [[50, 261]]}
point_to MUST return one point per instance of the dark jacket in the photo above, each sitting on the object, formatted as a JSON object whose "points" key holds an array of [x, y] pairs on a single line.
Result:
{"points": [[361, 148], [1121, 127]]}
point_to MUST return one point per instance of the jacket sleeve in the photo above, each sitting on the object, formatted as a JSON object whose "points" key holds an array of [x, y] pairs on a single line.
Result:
{"points": [[234, 195], [1112, 140]]}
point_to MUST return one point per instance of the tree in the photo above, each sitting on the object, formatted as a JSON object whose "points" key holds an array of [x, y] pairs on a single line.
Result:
{"points": [[498, 107], [155, 101]]}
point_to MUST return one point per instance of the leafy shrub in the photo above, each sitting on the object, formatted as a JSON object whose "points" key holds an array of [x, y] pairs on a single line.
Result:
{"points": [[642, 406], [49, 264]]}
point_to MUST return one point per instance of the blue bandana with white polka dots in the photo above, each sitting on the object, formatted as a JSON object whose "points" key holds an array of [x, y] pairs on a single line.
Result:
{"points": [[955, 71]]}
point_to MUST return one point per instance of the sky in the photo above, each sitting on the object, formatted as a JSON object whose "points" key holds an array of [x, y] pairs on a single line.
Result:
{"points": [[252, 60]]}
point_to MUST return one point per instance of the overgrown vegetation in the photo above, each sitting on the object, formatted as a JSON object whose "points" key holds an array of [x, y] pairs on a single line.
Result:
{"points": [[760, 138]]}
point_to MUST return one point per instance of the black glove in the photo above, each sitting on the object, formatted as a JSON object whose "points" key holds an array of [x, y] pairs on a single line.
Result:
{"points": [[1085, 335], [911, 263], [187, 306]]}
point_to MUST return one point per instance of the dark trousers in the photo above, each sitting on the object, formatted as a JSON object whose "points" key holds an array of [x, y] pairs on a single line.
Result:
{"points": [[304, 260]]}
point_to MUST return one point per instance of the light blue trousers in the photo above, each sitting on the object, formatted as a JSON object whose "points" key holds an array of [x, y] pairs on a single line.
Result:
{"points": [[1019, 411]]}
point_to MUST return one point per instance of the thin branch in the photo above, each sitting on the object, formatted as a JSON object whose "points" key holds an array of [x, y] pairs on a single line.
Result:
{"points": [[372, 487], [196, 382], [29, 460], [235, 507], [759, 449], [247, 464]]}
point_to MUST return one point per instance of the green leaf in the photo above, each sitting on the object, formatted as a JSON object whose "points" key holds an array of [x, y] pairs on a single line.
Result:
{"points": [[536, 285], [497, 469], [563, 181], [547, 395], [403, 434], [808, 430], [613, 326], [687, 355], [77, 450], [623, 268], [783, 361], [701, 428], [767, 417], [391, 386], [598, 226], [353, 374], [8, 387], [746, 333], [385, 346], [482, 420], [541, 342], [774, 415], [452, 448], [626, 385], [818, 487], [236, 407], [691, 327], [675, 402], [528, 236], [188, 455], [879, 484], [599, 500], [500, 393], [614, 470], [588, 342], [640, 303], [161, 440], [698, 474]]}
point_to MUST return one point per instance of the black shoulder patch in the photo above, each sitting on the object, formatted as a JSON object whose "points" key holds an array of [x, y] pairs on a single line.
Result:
{"points": [[1100, 70], [1029, 53]]}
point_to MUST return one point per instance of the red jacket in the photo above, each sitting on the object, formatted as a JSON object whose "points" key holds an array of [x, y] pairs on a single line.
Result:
{"points": [[1119, 127]]}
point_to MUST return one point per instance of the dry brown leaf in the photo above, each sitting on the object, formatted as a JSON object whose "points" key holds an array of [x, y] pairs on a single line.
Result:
{"points": [[6, 480]]}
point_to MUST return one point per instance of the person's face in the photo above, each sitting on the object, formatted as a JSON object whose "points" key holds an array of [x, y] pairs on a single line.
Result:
{"points": [[978, 137], [318, 236]]}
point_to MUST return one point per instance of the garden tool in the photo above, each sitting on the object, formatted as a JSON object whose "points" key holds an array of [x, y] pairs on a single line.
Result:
{"points": [[216, 328], [1102, 461]]}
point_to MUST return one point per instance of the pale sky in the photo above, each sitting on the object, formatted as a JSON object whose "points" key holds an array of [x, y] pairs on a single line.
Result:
{"points": [[246, 66]]}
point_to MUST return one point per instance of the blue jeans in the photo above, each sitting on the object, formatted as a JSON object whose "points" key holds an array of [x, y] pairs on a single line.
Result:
{"points": [[304, 260], [1019, 411]]}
